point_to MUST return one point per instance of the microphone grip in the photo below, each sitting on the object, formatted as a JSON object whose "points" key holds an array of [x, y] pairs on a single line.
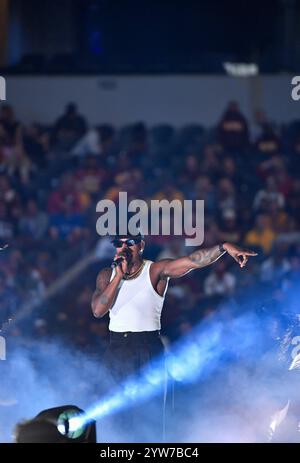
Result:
{"points": [[117, 262]]}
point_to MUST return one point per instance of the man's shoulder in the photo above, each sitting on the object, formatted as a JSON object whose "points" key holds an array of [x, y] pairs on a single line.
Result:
{"points": [[157, 267]]}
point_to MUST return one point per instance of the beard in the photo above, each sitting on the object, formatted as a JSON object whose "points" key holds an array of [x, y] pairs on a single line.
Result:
{"points": [[127, 253]]}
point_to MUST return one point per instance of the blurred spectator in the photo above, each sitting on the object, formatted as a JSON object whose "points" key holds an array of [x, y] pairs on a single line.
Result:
{"points": [[290, 233], [69, 127], [175, 248], [229, 169], [268, 142], [169, 192], [262, 234], [106, 139], [12, 266], [283, 180], [5, 145], [8, 122], [124, 182], [92, 176], [205, 190], [268, 195], [89, 144], [291, 279], [7, 193], [294, 158], [211, 232], [83, 194], [36, 145], [123, 162], [138, 141], [229, 229], [210, 164], [34, 222], [220, 281], [7, 230], [32, 284], [67, 225], [226, 195], [233, 129], [98, 141], [260, 121], [270, 166], [66, 190], [273, 269], [293, 199], [190, 172], [16, 162], [8, 300], [44, 265], [279, 217]]}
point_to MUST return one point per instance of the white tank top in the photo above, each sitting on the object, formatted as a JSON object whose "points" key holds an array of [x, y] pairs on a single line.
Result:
{"points": [[137, 306]]}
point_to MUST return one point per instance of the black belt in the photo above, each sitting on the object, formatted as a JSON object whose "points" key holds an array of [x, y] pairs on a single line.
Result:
{"points": [[134, 334]]}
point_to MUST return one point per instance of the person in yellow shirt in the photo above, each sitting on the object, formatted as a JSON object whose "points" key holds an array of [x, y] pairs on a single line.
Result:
{"points": [[262, 234], [169, 192]]}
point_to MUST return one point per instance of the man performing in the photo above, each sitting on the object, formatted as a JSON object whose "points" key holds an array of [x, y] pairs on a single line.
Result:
{"points": [[133, 293]]}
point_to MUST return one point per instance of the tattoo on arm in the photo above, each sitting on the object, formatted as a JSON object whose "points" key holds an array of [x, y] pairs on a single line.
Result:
{"points": [[101, 283], [203, 257], [103, 279]]}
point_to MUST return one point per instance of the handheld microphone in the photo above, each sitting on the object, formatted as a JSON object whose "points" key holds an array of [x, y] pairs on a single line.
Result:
{"points": [[117, 262], [124, 254]]}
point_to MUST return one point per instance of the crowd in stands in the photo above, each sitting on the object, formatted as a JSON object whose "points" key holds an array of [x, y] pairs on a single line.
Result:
{"points": [[51, 178]]}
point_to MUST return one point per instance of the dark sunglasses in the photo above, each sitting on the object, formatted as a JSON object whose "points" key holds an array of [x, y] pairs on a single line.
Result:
{"points": [[129, 242]]}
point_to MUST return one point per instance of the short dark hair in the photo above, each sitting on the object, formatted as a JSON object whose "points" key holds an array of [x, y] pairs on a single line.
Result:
{"points": [[71, 107]]}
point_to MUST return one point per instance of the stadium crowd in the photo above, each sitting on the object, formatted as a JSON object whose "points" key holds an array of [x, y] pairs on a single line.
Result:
{"points": [[51, 178]]}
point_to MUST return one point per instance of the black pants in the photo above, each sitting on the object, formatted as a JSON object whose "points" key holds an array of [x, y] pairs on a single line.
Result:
{"points": [[125, 357]]}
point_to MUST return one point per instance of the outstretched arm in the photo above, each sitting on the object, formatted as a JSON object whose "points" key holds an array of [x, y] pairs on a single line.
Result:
{"points": [[175, 268]]}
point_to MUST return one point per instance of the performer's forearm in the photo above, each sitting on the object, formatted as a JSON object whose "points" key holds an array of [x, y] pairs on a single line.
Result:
{"points": [[103, 301], [176, 268], [204, 257]]}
